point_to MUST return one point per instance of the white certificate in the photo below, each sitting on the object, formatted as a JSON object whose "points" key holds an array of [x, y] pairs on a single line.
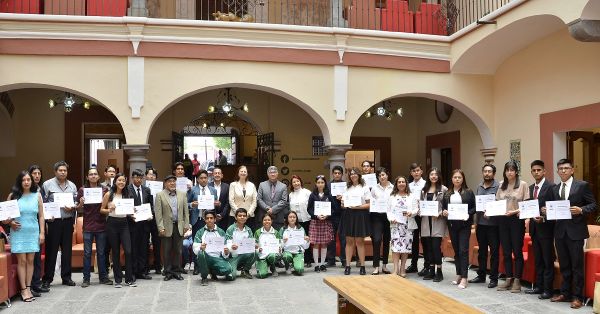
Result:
{"points": [[458, 211], [51, 210], [64, 199], [398, 215], [558, 210], [92, 195], [181, 184], [322, 208], [269, 246], [370, 180], [495, 208], [296, 237], [214, 244], [379, 205], [124, 206], [246, 245], [481, 200], [142, 212], [10, 209], [429, 208], [338, 188], [352, 200], [529, 209], [155, 187], [206, 202]]}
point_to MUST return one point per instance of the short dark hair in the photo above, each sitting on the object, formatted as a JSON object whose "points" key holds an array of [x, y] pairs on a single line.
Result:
{"points": [[209, 212], [240, 210], [179, 163], [491, 166], [339, 168], [201, 172], [414, 166], [137, 173], [110, 166], [153, 171], [60, 164], [367, 161], [538, 162], [564, 161]]}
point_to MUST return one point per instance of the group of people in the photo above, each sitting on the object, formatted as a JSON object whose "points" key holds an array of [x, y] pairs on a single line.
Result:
{"points": [[273, 226]]}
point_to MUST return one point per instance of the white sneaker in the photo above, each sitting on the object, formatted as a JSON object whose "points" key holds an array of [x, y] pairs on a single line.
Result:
{"points": [[118, 285]]}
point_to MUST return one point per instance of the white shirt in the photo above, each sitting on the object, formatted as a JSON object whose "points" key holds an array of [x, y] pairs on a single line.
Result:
{"points": [[299, 204], [363, 191], [539, 186], [416, 186], [567, 188], [455, 198], [218, 188]]}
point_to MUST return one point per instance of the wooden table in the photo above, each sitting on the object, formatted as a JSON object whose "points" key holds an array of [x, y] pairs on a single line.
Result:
{"points": [[391, 294]]}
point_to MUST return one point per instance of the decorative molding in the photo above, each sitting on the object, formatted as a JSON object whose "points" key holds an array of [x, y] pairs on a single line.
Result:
{"points": [[135, 85], [340, 91], [489, 154]]}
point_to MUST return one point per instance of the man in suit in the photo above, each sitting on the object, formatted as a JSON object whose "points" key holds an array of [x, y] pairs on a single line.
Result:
{"points": [[336, 217], [140, 231], [197, 212], [272, 198], [151, 176], [222, 203], [542, 234], [172, 221], [569, 234]]}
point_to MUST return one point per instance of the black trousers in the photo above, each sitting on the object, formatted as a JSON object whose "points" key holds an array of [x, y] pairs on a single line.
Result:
{"points": [[380, 232], [195, 227], [432, 251], [36, 279], [488, 236], [140, 246], [543, 252], [460, 244], [414, 255], [570, 258], [155, 246], [117, 231], [171, 247], [60, 234], [512, 231], [331, 247]]}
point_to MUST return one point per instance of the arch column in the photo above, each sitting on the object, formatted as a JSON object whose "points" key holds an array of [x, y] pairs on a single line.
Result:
{"points": [[137, 156], [337, 155], [489, 154]]}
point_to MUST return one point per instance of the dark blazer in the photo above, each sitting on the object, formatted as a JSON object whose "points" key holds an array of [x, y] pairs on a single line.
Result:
{"points": [[468, 197], [580, 195], [146, 195], [223, 198], [314, 197], [545, 229]]}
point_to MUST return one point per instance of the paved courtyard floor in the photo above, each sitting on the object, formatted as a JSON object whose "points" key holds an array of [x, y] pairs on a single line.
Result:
{"points": [[285, 294]]}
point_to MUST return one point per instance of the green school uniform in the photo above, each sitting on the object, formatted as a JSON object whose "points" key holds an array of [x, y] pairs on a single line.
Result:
{"points": [[266, 261], [293, 254], [212, 262], [243, 261]]}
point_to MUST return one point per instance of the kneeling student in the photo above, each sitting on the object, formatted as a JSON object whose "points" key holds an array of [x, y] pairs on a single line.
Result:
{"points": [[234, 235], [269, 251], [293, 252], [212, 259]]}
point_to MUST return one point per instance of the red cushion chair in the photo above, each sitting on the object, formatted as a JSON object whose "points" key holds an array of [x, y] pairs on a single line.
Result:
{"points": [[592, 272]]}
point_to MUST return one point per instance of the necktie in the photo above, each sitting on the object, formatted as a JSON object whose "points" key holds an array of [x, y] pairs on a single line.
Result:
{"points": [[203, 190], [272, 191], [139, 195], [535, 192], [562, 191]]}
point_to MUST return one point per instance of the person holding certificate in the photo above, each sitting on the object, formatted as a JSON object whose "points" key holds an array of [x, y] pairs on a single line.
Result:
{"points": [[569, 234], [433, 228], [140, 229], [209, 197], [460, 229], [380, 226], [336, 217], [321, 229], [117, 230], [212, 253], [510, 227], [402, 209], [242, 194], [415, 185], [298, 199], [237, 235], [36, 280], [151, 175], [356, 218], [26, 231], [94, 228], [269, 248], [295, 242]]}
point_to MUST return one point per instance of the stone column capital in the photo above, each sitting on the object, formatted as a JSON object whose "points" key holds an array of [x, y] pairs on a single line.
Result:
{"points": [[489, 154], [137, 156]]}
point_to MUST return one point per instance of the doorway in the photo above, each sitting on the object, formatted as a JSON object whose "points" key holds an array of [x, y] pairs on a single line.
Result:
{"points": [[583, 148]]}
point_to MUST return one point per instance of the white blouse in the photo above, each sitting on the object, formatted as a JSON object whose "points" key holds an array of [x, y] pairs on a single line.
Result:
{"points": [[359, 190], [299, 204]]}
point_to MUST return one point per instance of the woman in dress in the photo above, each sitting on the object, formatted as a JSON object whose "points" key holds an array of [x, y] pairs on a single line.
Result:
{"points": [[242, 194], [380, 226], [117, 230], [356, 220], [321, 229], [460, 230], [27, 231], [433, 228], [510, 227], [298, 199], [402, 209]]}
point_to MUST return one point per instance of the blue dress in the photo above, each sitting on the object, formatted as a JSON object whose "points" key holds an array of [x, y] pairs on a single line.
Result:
{"points": [[26, 239]]}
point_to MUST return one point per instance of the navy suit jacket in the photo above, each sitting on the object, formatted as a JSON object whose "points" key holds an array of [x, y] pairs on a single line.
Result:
{"points": [[193, 196], [542, 229], [223, 210], [580, 195]]}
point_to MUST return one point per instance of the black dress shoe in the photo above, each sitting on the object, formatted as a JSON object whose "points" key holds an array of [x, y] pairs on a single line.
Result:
{"points": [[143, 276], [168, 277], [347, 270], [40, 289], [423, 272], [493, 284], [362, 271], [412, 269], [196, 271], [158, 271], [178, 277], [545, 295], [35, 293], [534, 291], [478, 279], [69, 282]]}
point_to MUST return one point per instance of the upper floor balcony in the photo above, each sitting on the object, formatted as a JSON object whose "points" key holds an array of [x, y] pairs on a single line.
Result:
{"points": [[435, 17]]}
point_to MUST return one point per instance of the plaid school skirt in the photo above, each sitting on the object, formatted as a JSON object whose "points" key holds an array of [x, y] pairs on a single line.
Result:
{"points": [[320, 231]]}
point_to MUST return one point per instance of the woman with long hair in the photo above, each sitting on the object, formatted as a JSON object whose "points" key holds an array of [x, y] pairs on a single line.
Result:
{"points": [[36, 280], [402, 209], [380, 226], [356, 219], [433, 228], [242, 194], [298, 199], [510, 227], [117, 230], [27, 231], [321, 229], [460, 230]]}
